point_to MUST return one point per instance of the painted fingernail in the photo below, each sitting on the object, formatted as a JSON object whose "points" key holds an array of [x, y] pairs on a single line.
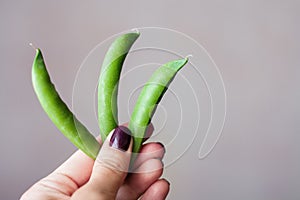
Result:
{"points": [[120, 139]]}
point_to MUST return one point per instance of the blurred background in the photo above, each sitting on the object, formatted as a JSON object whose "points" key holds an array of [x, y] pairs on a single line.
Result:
{"points": [[255, 44]]}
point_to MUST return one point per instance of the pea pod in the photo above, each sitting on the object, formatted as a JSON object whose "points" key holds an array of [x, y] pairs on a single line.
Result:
{"points": [[58, 111], [109, 80], [149, 97]]}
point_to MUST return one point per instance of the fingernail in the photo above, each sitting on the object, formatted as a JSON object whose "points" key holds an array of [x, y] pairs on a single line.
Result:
{"points": [[120, 138], [163, 146], [167, 181]]}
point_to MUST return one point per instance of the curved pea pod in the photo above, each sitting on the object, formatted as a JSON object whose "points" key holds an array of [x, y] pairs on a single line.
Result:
{"points": [[109, 80], [148, 99], [58, 111]]}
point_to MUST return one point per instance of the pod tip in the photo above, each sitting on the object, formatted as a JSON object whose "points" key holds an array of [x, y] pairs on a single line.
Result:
{"points": [[30, 44], [189, 56], [136, 31], [36, 49]]}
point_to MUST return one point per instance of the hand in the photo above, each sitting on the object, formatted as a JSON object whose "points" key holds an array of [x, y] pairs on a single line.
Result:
{"points": [[106, 178]]}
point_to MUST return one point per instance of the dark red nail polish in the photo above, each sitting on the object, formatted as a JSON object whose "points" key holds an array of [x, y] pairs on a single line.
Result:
{"points": [[120, 139]]}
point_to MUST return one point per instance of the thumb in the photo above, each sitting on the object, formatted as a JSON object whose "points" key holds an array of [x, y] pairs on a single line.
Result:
{"points": [[111, 165]]}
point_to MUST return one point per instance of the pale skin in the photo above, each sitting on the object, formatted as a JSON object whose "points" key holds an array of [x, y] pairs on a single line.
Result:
{"points": [[80, 177]]}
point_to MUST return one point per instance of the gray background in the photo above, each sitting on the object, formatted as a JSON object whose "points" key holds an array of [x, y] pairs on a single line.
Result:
{"points": [[255, 44]]}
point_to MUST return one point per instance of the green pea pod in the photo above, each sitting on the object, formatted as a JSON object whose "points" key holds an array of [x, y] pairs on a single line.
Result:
{"points": [[109, 80], [149, 97], [58, 111]]}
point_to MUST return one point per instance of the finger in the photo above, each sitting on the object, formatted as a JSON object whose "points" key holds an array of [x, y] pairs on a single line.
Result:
{"points": [[111, 165], [137, 183], [158, 191], [73, 168], [149, 151]]}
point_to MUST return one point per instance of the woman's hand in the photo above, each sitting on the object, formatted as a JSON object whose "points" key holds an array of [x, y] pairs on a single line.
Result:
{"points": [[80, 177]]}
